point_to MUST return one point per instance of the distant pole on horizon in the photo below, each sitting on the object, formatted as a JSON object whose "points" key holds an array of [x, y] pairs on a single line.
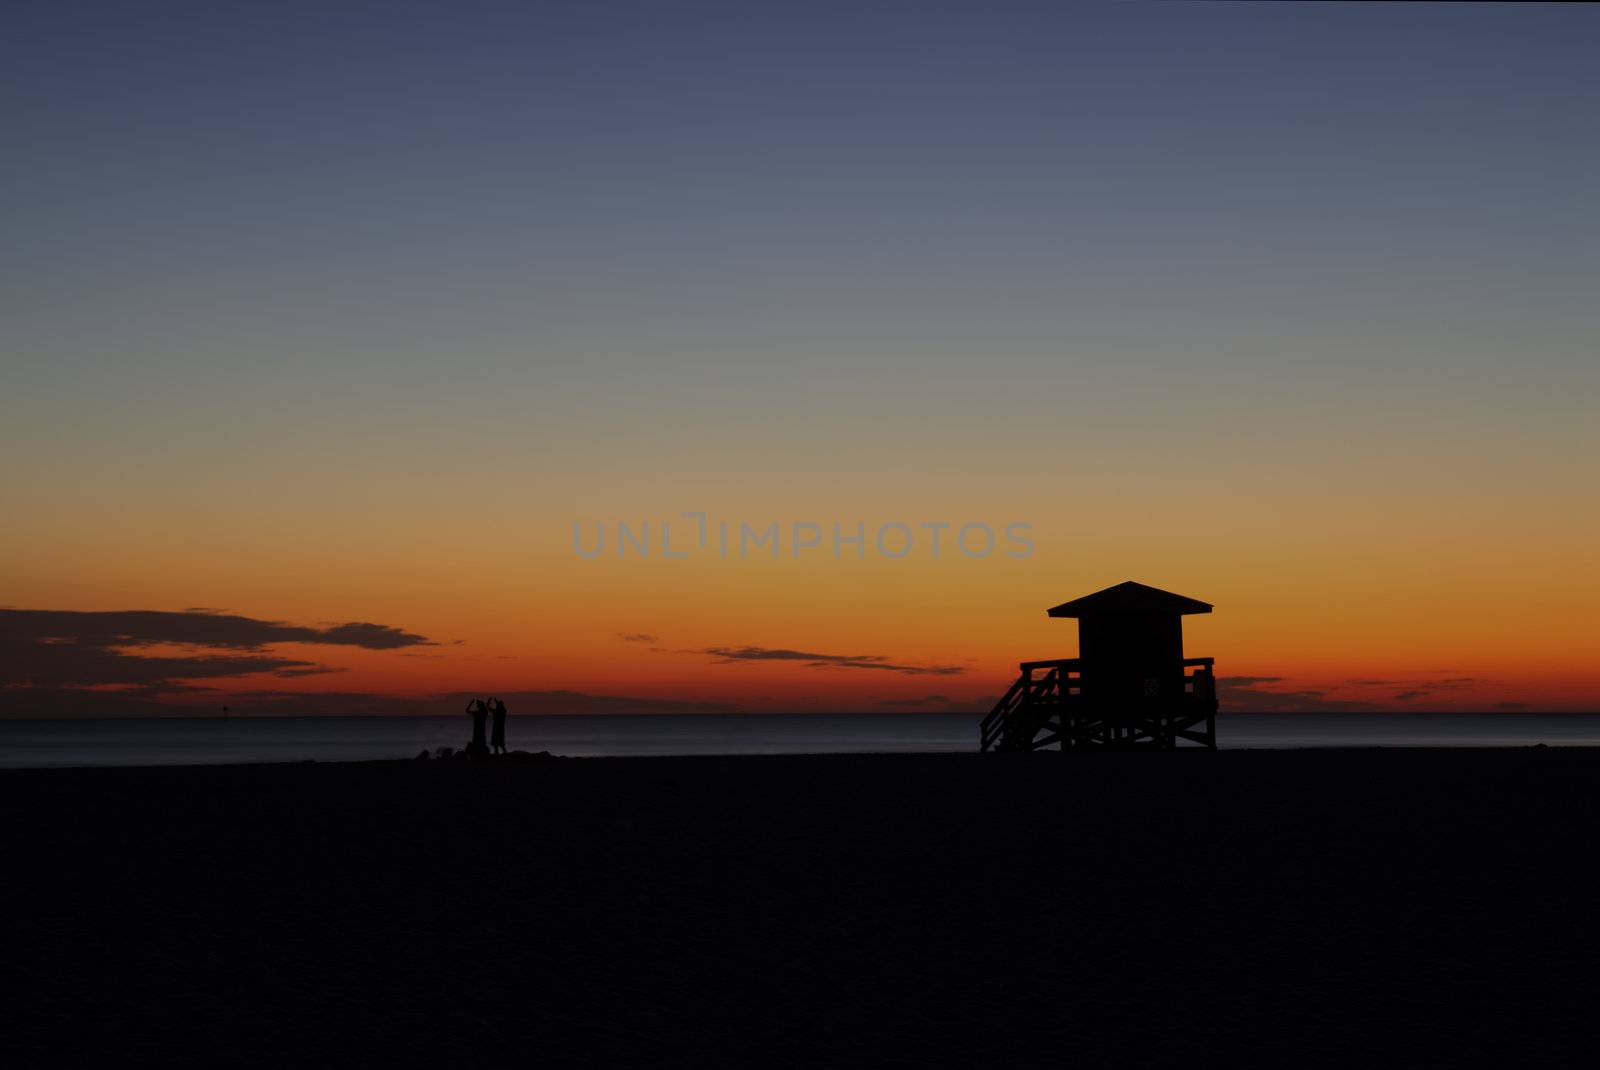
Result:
{"points": [[224, 713]]}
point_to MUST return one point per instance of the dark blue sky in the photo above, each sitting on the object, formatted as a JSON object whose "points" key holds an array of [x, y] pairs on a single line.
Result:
{"points": [[409, 156]]}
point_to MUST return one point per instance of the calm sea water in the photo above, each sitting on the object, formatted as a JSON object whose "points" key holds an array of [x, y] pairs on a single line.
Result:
{"points": [[293, 739]]}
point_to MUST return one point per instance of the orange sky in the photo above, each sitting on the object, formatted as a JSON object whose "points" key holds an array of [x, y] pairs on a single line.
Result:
{"points": [[1401, 617], [1288, 309]]}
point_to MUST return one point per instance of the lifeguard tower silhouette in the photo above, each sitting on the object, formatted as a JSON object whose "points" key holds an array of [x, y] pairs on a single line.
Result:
{"points": [[1129, 687]]}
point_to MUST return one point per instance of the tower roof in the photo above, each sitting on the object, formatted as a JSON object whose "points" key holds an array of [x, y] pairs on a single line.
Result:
{"points": [[1129, 597]]}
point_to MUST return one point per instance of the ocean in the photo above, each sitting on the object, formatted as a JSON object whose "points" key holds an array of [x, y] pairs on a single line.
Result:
{"points": [[196, 741]]}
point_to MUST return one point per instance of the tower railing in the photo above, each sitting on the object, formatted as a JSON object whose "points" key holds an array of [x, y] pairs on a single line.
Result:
{"points": [[1046, 705]]}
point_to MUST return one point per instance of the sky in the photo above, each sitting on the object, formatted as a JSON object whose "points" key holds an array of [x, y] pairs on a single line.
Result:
{"points": [[323, 326]]}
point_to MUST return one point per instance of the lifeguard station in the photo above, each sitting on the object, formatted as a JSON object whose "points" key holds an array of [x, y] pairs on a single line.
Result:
{"points": [[1129, 687]]}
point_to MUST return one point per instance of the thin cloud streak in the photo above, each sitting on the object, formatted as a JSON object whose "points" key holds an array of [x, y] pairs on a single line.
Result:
{"points": [[811, 660]]}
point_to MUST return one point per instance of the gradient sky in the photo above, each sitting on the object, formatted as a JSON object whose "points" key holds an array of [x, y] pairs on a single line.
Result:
{"points": [[318, 317]]}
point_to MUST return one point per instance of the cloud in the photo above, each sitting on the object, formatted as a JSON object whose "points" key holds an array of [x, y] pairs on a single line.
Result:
{"points": [[71, 649], [558, 702], [1410, 689], [1239, 694], [731, 654], [66, 664], [935, 702], [362, 634], [1244, 694], [71, 702], [178, 702], [636, 637], [1399, 693], [1449, 683], [1510, 705], [131, 628]]}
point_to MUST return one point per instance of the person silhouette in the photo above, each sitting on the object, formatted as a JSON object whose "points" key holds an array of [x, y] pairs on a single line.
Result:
{"points": [[480, 716], [497, 740]]}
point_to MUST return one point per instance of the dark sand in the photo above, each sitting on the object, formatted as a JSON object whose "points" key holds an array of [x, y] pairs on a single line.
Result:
{"points": [[1288, 908]]}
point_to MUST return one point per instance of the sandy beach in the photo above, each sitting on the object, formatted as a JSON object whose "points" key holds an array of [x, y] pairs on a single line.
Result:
{"points": [[1292, 908]]}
